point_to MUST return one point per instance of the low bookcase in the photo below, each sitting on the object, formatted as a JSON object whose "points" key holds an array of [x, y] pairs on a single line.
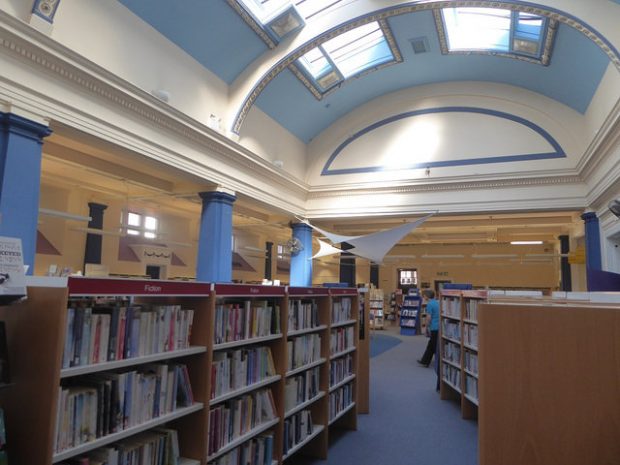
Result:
{"points": [[190, 357]]}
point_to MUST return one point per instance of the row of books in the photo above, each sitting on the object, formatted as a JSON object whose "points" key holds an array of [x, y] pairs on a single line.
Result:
{"points": [[302, 315], [99, 404], [235, 369], [452, 352], [303, 350], [159, 446], [101, 334], [341, 310], [451, 329], [471, 386], [452, 375], [250, 319], [235, 417], [471, 361], [406, 313], [451, 306], [256, 451], [470, 335], [339, 369], [341, 339], [471, 309], [296, 429], [301, 388], [340, 399]]}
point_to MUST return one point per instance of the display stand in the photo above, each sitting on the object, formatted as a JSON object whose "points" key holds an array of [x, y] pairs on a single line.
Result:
{"points": [[409, 311]]}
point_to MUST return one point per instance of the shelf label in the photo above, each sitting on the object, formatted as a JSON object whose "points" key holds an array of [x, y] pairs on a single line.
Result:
{"points": [[120, 287]]}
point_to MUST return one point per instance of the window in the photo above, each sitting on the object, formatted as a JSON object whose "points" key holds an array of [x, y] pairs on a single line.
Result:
{"points": [[281, 251], [266, 10], [346, 55], [408, 277], [495, 30], [141, 225]]}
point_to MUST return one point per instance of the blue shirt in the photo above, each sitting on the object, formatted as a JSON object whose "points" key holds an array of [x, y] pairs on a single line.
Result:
{"points": [[432, 308]]}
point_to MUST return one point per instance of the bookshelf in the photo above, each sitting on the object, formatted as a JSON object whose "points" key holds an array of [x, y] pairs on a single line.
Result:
{"points": [[248, 367], [377, 317], [458, 348], [343, 359], [306, 383], [549, 381], [409, 312], [228, 364]]}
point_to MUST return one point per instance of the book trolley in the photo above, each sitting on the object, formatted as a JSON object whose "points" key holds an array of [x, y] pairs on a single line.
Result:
{"points": [[207, 373]]}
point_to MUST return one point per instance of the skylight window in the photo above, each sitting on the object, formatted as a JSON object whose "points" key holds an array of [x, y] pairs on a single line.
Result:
{"points": [[266, 10], [347, 55], [495, 30]]}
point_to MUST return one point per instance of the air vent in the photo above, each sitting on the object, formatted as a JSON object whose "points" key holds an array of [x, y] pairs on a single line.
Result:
{"points": [[419, 45]]}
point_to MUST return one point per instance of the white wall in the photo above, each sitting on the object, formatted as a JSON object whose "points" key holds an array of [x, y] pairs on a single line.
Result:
{"points": [[472, 137], [262, 135]]}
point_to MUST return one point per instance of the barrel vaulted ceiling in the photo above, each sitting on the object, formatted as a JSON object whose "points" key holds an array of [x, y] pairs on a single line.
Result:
{"points": [[217, 36]]}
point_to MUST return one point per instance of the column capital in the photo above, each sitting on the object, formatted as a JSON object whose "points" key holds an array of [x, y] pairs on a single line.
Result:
{"points": [[97, 206], [300, 227], [24, 127], [589, 216], [217, 196]]}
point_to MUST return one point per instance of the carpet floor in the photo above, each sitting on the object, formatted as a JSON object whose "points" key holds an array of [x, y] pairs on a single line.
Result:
{"points": [[408, 424]]}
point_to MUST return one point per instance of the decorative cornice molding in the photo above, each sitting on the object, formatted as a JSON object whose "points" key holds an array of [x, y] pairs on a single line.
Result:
{"points": [[554, 15], [30, 47], [447, 187]]}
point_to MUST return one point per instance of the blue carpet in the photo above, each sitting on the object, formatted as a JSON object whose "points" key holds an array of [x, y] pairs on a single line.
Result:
{"points": [[380, 343], [408, 424]]}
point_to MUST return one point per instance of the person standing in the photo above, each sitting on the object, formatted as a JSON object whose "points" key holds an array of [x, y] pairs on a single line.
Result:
{"points": [[432, 310]]}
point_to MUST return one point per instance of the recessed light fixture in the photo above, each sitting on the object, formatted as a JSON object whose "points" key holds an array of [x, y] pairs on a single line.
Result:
{"points": [[526, 242]]}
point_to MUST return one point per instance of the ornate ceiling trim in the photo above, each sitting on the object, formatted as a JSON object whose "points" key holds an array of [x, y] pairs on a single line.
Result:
{"points": [[410, 7], [48, 57], [447, 187]]}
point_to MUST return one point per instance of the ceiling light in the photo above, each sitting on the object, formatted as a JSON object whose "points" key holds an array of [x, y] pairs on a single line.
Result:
{"points": [[494, 255], [444, 256], [526, 242]]}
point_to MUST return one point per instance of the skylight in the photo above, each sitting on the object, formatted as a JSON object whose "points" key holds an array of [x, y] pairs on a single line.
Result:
{"points": [[494, 29], [346, 55], [265, 10]]}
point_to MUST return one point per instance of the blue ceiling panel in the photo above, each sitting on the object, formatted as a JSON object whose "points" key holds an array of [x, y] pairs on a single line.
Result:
{"points": [[576, 68], [208, 30]]}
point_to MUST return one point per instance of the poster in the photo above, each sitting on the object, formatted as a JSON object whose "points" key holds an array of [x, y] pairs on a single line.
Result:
{"points": [[12, 278]]}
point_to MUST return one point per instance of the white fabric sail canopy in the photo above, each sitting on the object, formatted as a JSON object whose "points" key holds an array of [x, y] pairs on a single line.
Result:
{"points": [[373, 246], [326, 249]]}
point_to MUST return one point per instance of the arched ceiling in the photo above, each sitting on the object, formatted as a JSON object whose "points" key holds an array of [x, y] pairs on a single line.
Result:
{"points": [[217, 37]]}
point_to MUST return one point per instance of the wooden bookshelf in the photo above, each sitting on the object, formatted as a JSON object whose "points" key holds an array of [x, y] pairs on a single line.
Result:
{"points": [[458, 348], [36, 331], [549, 382]]}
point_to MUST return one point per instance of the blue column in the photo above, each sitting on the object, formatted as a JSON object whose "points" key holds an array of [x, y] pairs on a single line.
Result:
{"points": [[301, 262], [20, 180], [593, 243], [214, 263]]}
